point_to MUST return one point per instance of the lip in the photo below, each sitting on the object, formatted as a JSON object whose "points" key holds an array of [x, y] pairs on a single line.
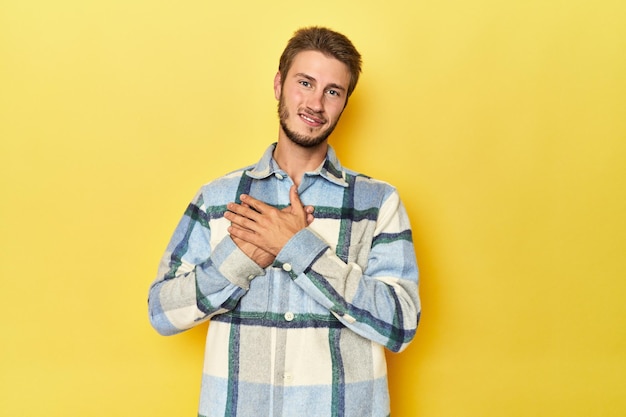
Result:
{"points": [[311, 120]]}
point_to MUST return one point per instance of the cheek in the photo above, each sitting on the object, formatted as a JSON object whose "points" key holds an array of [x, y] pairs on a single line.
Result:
{"points": [[335, 111], [291, 97]]}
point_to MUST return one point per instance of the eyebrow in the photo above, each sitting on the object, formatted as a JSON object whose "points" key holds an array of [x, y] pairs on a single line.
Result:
{"points": [[331, 85]]}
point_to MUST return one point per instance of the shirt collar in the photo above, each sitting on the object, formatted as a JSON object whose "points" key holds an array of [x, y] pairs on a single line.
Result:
{"points": [[330, 169]]}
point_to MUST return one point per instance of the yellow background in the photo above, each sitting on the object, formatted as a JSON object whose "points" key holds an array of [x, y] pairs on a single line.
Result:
{"points": [[502, 123]]}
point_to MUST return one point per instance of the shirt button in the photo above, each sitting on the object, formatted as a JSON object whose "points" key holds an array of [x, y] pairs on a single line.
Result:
{"points": [[287, 377], [279, 176], [289, 316], [287, 267], [250, 277]]}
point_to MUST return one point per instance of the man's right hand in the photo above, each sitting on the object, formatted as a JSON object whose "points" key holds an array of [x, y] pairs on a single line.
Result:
{"points": [[259, 255]]}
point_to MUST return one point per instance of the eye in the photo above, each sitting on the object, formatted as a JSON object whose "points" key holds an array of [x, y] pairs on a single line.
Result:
{"points": [[333, 93], [305, 83]]}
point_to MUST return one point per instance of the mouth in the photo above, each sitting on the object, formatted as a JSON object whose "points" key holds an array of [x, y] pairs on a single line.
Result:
{"points": [[311, 120]]}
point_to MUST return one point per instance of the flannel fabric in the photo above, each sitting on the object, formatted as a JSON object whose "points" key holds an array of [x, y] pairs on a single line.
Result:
{"points": [[305, 336]]}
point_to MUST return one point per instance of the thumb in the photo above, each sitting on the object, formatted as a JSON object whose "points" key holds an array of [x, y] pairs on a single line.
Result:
{"points": [[294, 198]]}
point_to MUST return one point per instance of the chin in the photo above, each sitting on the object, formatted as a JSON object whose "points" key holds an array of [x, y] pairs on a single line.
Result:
{"points": [[304, 140]]}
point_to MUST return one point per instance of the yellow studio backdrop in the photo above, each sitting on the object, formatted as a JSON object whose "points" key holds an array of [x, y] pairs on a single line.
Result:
{"points": [[503, 124]]}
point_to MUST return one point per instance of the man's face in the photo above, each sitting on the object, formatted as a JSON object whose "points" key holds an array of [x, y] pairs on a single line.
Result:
{"points": [[311, 97]]}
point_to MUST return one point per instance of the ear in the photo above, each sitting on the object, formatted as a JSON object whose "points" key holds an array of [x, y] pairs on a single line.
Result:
{"points": [[277, 85]]}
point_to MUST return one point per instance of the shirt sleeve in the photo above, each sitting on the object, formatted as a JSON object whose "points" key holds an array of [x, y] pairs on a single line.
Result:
{"points": [[197, 280], [378, 298]]}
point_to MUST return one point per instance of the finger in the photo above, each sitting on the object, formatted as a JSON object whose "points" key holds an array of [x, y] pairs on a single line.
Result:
{"points": [[241, 233], [240, 227], [309, 214], [242, 210], [241, 216], [294, 198], [255, 204]]}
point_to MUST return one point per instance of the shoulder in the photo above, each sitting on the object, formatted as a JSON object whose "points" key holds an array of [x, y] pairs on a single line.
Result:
{"points": [[363, 180], [369, 190], [221, 190]]}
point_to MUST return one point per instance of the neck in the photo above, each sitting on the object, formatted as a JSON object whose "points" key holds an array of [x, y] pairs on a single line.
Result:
{"points": [[295, 160]]}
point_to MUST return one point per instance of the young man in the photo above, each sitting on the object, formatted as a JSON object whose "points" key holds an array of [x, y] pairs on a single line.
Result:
{"points": [[305, 268]]}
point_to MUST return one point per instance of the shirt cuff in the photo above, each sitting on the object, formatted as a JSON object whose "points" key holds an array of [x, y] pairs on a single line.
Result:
{"points": [[235, 265], [300, 252]]}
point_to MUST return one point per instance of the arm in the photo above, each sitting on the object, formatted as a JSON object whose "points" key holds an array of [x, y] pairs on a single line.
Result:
{"points": [[379, 301], [196, 281], [376, 297]]}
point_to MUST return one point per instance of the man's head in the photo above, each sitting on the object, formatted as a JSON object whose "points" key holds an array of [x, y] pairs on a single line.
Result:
{"points": [[317, 73], [330, 43]]}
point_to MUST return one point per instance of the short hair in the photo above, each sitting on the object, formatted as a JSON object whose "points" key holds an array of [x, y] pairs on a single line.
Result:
{"points": [[326, 41]]}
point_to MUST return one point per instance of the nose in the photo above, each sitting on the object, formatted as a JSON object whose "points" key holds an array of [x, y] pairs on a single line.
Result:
{"points": [[316, 101]]}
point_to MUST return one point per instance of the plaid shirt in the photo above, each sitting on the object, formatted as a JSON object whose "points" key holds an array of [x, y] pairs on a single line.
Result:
{"points": [[305, 336]]}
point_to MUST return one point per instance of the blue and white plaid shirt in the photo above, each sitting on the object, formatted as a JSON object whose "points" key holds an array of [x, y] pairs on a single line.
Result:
{"points": [[305, 336]]}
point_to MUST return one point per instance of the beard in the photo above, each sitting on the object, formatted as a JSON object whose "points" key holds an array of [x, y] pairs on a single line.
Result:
{"points": [[298, 138]]}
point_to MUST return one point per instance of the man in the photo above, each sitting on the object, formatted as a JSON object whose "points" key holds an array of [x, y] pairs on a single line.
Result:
{"points": [[303, 299]]}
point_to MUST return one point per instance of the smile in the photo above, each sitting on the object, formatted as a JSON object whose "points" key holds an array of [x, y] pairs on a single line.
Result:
{"points": [[311, 120]]}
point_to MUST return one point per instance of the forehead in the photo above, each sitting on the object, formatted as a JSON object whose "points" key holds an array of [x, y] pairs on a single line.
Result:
{"points": [[323, 68]]}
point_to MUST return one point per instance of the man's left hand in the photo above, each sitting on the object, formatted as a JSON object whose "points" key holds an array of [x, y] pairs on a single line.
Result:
{"points": [[265, 226]]}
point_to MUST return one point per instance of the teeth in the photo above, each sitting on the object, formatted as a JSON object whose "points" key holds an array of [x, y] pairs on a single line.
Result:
{"points": [[309, 119]]}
